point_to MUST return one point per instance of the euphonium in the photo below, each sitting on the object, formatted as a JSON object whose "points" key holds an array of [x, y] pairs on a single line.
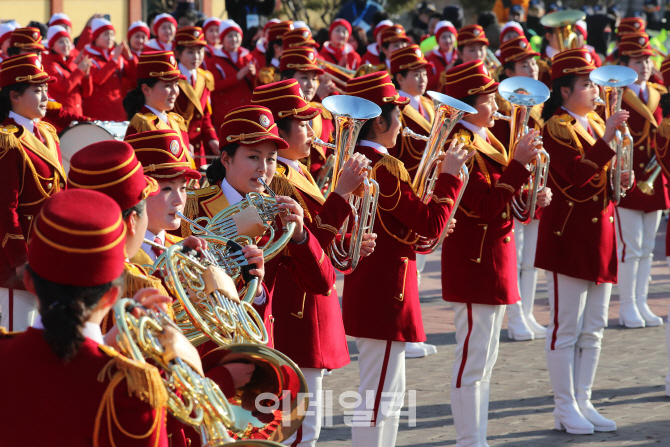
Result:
{"points": [[448, 112], [349, 114], [563, 23], [343, 71], [524, 93], [617, 78]]}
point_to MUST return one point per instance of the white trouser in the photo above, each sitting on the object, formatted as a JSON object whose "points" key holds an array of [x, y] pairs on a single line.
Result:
{"points": [[636, 237], [381, 365], [525, 238], [308, 433], [578, 312], [420, 265], [19, 309]]}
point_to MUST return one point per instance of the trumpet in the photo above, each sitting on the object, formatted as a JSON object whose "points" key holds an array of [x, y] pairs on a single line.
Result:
{"points": [[350, 113], [563, 23], [653, 167], [524, 93], [448, 112], [617, 77]]}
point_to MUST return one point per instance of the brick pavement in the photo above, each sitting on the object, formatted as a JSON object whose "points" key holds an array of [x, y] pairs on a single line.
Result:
{"points": [[629, 387]]}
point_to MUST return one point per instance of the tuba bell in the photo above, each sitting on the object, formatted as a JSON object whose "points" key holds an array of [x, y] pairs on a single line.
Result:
{"points": [[647, 186], [615, 78], [524, 93], [563, 23], [349, 114], [448, 112]]}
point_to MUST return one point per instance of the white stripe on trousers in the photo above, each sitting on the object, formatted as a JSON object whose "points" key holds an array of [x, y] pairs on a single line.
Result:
{"points": [[24, 307]]}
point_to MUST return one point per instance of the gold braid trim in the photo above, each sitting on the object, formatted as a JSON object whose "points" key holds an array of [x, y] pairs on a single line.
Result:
{"points": [[48, 127], [664, 128], [283, 187], [8, 140], [180, 121], [395, 167], [144, 380], [560, 128], [209, 80], [143, 122]]}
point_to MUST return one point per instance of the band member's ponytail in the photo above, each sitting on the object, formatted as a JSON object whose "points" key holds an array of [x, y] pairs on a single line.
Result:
{"points": [[216, 171], [665, 104], [555, 100], [134, 100], [5, 100]]}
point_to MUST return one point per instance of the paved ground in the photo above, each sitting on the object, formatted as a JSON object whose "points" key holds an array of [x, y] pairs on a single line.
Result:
{"points": [[629, 387]]}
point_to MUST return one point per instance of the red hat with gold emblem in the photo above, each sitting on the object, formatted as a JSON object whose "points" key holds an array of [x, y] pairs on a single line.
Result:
{"points": [[376, 87], [408, 58], [631, 25], [339, 22], [23, 68], [393, 33], [27, 39], [295, 38], [162, 154], [284, 99], [249, 125], [635, 45], [665, 71], [190, 36], [112, 168], [471, 34], [158, 64], [300, 59], [516, 50], [576, 61], [276, 31], [470, 78], [78, 239]]}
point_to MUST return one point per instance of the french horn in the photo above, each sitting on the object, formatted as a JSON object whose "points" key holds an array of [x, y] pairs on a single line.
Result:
{"points": [[448, 112], [616, 78], [349, 114]]}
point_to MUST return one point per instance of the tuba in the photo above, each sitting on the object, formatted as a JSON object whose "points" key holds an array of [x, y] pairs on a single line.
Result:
{"points": [[563, 23], [617, 78], [448, 112], [350, 113], [524, 93], [191, 398]]}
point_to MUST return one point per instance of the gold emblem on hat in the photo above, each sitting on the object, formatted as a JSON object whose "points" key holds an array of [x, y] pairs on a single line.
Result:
{"points": [[417, 52], [641, 40], [305, 34], [636, 25], [38, 64], [587, 56], [476, 32], [310, 56], [173, 61], [397, 31], [523, 44], [174, 147], [265, 121], [35, 36], [196, 33]]}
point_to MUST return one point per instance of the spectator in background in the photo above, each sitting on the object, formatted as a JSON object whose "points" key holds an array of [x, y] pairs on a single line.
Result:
{"points": [[502, 8], [322, 36], [422, 16], [601, 33], [249, 13], [186, 17], [360, 13], [432, 22], [359, 40], [454, 14], [251, 37], [652, 8], [533, 16], [181, 8], [377, 18]]}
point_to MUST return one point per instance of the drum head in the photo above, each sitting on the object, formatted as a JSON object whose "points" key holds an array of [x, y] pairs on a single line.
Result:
{"points": [[75, 138]]}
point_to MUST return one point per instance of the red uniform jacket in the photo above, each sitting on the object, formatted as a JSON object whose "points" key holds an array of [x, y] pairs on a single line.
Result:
{"points": [[371, 56], [306, 263], [345, 57], [71, 83], [325, 130], [661, 146], [105, 103], [60, 118], [436, 78], [643, 122], [308, 327], [381, 297], [229, 92], [479, 258], [258, 53], [576, 236], [407, 149], [30, 172], [194, 107], [74, 406]]}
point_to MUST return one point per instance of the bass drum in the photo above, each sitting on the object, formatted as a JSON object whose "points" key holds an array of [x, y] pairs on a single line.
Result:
{"points": [[77, 137]]}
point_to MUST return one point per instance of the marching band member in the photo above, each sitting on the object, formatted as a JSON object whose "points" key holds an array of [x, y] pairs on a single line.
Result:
{"points": [[472, 44], [137, 35], [509, 31], [164, 28], [639, 214], [393, 38], [269, 73], [262, 44], [30, 173], [193, 102], [249, 146], [211, 30], [626, 26], [76, 267], [299, 64], [580, 28], [71, 73], [234, 71], [308, 327], [481, 253], [297, 38], [26, 41], [443, 56], [338, 50], [401, 215], [519, 59], [148, 106], [5, 35], [111, 64], [372, 55], [576, 241]]}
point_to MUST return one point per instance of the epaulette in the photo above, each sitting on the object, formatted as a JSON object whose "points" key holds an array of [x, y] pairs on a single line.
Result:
{"points": [[173, 239], [325, 113], [143, 380], [8, 139], [395, 167], [596, 118], [137, 278], [662, 89], [4, 333], [143, 122], [49, 127], [266, 75], [664, 128], [180, 121], [560, 128], [283, 187], [209, 78], [53, 105]]}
